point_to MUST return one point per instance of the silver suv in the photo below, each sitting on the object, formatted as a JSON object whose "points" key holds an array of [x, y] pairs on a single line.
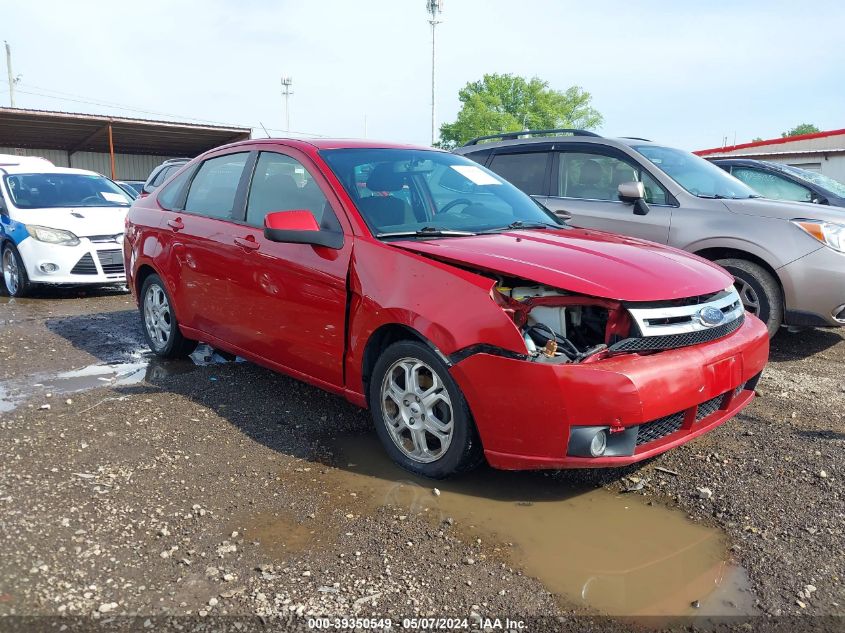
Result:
{"points": [[788, 258]]}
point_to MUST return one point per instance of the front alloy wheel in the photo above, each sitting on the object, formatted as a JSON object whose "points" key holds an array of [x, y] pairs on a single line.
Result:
{"points": [[417, 410], [14, 274], [420, 414]]}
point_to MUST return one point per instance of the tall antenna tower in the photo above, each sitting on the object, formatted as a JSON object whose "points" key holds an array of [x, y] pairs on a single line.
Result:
{"points": [[434, 8], [287, 82]]}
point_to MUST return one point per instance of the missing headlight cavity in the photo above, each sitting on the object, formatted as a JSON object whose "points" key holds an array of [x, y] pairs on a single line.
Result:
{"points": [[559, 327]]}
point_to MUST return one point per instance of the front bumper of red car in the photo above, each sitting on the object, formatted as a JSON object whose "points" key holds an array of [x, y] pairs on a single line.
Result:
{"points": [[534, 416]]}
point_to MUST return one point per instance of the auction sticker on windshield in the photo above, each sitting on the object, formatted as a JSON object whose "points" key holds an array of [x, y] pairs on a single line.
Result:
{"points": [[476, 175]]}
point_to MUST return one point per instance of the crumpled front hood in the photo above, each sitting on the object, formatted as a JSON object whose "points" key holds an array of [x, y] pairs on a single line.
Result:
{"points": [[81, 221], [583, 261]]}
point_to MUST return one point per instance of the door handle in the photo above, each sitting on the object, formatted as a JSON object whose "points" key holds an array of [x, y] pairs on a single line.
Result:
{"points": [[248, 243], [176, 225]]}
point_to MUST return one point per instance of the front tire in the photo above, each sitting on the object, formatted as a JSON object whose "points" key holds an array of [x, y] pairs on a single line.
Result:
{"points": [[14, 273], [759, 291], [161, 327], [420, 414]]}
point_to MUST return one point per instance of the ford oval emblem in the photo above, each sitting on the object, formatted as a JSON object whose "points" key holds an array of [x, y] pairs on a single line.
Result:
{"points": [[710, 316]]}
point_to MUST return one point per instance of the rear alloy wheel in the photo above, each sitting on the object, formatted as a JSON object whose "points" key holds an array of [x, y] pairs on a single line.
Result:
{"points": [[14, 274], [161, 327], [759, 291], [420, 414]]}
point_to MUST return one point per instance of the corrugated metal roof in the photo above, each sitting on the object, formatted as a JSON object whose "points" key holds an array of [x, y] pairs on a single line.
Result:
{"points": [[72, 132]]}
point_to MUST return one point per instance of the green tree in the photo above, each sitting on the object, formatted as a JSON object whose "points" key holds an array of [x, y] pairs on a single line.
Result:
{"points": [[507, 103], [804, 128]]}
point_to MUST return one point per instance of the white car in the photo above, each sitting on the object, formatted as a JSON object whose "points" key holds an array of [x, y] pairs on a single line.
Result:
{"points": [[59, 225]]}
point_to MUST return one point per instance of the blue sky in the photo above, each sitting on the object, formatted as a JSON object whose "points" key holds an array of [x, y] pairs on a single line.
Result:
{"points": [[685, 73]]}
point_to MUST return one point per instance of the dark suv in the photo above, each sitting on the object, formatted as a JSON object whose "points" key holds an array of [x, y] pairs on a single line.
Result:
{"points": [[788, 258]]}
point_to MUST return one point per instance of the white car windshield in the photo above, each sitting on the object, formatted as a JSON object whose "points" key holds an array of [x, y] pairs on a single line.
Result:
{"points": [[52, 190], [698, 176], [411, 192]]}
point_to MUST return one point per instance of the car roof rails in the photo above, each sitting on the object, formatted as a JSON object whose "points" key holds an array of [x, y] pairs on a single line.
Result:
{"points": [[636, 138], [506, 136]]}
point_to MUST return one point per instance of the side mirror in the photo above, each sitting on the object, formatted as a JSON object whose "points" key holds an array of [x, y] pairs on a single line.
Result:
{"points": [[634, 192], [299, 227], [817, 199]]}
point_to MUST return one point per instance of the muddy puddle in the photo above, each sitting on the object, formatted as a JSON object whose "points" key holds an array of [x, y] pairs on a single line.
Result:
{"points": [[612, 553], [142, 366]]}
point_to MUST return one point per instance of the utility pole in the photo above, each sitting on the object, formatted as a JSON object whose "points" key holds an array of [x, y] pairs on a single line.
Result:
{"points": [[12, 79], [287, 82], [434, 8]]}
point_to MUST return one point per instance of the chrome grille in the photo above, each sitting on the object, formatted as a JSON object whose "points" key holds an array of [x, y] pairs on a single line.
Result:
{"points": [[111, 261], [85, 266], [666, 320]]}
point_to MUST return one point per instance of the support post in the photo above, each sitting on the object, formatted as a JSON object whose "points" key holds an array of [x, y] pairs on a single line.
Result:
{"points": [[111, 152]]}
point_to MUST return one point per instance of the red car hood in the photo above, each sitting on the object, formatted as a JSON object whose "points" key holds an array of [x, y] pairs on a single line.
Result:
{"points": [[583, 261]]}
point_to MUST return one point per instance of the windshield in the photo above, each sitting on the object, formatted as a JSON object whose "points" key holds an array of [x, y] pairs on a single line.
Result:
{"points": [[833, 186], [45, 191], [698, 176], [404, 190]]}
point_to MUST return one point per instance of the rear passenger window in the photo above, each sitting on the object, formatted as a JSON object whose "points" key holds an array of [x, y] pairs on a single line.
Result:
{"points": [[171, 196], [215, 186], [161, 176], [281, 183], [526, 171]]}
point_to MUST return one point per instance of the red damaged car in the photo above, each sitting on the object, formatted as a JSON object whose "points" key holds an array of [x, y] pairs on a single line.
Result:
{"points": [[467, 317]]}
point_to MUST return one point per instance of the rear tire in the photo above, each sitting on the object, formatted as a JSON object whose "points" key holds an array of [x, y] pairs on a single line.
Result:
{"points": [[15, 279], [420, 414], [759, 291], [161, 327]]}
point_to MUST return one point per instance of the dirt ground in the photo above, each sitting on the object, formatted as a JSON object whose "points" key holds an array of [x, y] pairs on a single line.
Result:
{"points": [[130, 486]]}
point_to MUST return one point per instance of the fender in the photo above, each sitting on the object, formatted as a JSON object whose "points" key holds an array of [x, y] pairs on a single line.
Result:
{"points": [[431, 293]]}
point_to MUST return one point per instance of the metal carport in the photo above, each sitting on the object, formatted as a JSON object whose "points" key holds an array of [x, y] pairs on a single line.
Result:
{"points": [[123, 148]]}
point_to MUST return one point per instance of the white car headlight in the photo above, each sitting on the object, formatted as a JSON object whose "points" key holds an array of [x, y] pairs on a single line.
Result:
{"points": [[52, 236], [828, 233]]}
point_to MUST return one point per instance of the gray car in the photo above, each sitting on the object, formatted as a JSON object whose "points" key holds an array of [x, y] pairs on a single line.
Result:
{"points": [[788, 258]]}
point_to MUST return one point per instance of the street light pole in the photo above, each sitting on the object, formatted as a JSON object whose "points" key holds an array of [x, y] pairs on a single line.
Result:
{"points": [[287, 82], [434, 8], [12, 80]]}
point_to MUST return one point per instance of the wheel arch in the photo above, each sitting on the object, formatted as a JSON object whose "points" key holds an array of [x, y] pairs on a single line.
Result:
{"points": [[144, 271], [725, 252], [716, 253], [382, 338]]}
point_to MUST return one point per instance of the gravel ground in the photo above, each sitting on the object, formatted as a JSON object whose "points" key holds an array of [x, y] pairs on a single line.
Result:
{"points": [[213, 490]]}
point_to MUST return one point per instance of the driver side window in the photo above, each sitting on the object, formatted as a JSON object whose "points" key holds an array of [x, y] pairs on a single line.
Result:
{"points": [[772, 186], [592, 176], [282, 183]]}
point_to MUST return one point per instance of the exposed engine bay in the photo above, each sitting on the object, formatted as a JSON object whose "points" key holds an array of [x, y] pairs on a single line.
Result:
{"points": [[559, 327]]}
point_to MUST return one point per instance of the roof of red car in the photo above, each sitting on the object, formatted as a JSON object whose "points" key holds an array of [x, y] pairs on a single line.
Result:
{"points": [[335, 143]]}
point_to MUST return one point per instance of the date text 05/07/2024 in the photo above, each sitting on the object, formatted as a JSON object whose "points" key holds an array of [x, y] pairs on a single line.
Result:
{"points": [[416, 623]]}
